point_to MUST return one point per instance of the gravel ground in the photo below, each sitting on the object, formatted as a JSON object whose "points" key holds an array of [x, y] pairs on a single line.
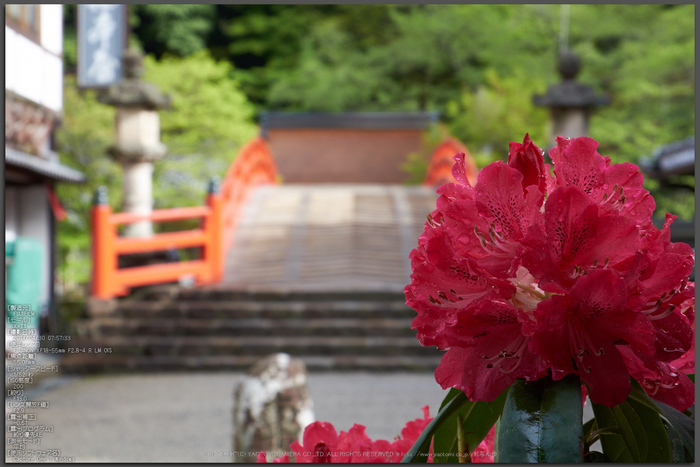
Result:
{"points": [[182, 417]]}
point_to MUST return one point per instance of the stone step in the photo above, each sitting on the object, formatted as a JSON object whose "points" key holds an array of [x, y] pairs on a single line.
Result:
{"points": [[281, 294], [182, 346], [84, 363], [173, 328], [327, 326], [280, 309]]}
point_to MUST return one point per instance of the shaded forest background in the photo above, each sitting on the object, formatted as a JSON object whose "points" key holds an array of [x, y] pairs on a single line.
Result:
{"points": [[478, 65]]}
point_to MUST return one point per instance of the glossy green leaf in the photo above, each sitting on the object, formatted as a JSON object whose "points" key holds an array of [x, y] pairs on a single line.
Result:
{"points": [[683, 425], [421, 448], [632, 428], [692, 377], [678, 450], [659, 449], [618, 442], [478, 417], [541, 422], [451, 394], [639, 395]]}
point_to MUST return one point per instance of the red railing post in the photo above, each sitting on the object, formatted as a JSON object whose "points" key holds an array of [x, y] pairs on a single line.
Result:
{"points": [[214, 225], [104, 257]]}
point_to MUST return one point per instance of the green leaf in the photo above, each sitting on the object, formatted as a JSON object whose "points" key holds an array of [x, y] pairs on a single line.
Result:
{"points": [[683, 425], [639, 395], [659, 449], [618, 443], [541, 422], [421, 448], [451, 394], [477, 419], [632, 432], [632, 429], [678, 450], [692, 377]]}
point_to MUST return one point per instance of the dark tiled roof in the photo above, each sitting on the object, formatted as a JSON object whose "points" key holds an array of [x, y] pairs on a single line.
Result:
{"points": [[354, 120], [677, 158], [44, 167]]}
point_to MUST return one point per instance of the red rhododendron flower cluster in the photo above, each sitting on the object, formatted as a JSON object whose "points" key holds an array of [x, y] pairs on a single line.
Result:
{"points": [[322, 444], [530, 273]]}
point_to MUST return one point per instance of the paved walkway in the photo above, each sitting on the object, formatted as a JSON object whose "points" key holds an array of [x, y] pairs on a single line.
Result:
{"points": [[320, 237], [186, 417], [182, 417]]}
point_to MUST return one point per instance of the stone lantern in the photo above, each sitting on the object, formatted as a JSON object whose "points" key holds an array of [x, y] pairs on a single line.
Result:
{"points": [[137, 143], [571, 103]]}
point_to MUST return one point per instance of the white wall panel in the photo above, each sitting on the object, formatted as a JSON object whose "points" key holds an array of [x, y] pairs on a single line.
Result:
{"points": [[53, 82], [27, 65], [51, 18], [10, 58], [33, 72]]}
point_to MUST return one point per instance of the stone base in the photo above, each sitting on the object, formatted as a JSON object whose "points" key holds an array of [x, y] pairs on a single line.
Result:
{"points": [[271, 407]]}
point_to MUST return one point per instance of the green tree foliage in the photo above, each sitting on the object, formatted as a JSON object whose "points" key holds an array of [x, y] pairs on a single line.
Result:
{"points": [[649, 76], [175, 29], [330, 76], [497, 112], [264, 41], [210, 120], [70, 39], [428, 54]]}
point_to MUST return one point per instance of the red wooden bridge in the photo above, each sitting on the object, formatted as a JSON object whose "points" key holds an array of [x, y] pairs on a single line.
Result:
{"points": [[256, 234], [317, 271]]}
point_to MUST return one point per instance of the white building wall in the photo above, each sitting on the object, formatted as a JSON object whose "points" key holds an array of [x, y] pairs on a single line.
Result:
{"points": [[51, 33], [35, 71]]}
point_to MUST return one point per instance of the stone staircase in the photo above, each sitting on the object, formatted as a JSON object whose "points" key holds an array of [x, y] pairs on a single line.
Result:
{"points": [[167, 328]]}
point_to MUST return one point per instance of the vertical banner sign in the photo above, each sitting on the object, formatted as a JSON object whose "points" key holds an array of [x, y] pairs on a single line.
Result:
{"points": [[101, 41]]}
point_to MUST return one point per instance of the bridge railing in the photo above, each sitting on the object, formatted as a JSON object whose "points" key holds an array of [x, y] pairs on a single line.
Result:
{"points": [[252, 167]]}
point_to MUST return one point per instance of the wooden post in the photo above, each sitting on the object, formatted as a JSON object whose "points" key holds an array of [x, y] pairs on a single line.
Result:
{"points": [[104, 258]]}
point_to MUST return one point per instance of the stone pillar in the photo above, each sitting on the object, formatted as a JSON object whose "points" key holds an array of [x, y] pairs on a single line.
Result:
{"points": [[571, 103], [137, 142], [271, 407]]}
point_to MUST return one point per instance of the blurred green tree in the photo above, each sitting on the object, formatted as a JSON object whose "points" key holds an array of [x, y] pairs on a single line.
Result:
{"points": [[497, 112], [179, 29], [210, 120]]}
